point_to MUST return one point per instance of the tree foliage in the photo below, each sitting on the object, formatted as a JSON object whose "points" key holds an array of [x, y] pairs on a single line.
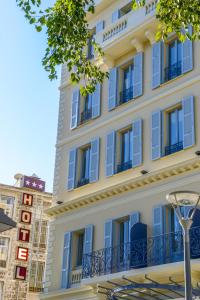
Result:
{"points": [[68, 33]]}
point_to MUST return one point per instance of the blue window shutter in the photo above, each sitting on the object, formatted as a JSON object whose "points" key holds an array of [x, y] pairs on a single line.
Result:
{"points": [[137, 143], [110, 154], [115, 16], [156, 135], [66, 263], [88, 239], [75, 109], [157, 64], [96, 101], [72, 169], [108, 244], [159, 229], [126, 232], [94, 160], [158, 217], [113, 88], [187, 54], [138, 75], [134, 218], [188, 122], [100, 26], [108, 234]]}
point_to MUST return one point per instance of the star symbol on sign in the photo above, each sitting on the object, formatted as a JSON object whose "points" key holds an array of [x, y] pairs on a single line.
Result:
{"points": [[34, 184], [40, 186], [27, 182]]}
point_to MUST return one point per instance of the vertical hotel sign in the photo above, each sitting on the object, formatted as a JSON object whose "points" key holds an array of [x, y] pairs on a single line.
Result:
{"points": [[24, 236]]}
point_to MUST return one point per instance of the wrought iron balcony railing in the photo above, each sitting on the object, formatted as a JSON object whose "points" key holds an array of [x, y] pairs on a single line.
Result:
{"points": [[86, 115], [126, 95], [124, 166], [158, 250], [173, 148], [173, 71], [83, 181]]}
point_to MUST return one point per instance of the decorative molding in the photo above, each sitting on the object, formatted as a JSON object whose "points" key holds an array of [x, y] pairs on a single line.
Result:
{"points": [[105, 63], [150, 36], [137, 45], [131, 185]]}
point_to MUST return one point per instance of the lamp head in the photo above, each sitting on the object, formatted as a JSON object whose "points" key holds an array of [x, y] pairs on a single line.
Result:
{"points": [[183, 198]]}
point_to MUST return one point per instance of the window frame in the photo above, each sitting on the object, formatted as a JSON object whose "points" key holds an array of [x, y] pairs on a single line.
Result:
{"points": [[166, 130], [125, 94]]}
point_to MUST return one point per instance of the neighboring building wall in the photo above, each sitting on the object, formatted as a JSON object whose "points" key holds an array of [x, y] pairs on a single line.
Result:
{"points": [[118, 192], [29, 288]]}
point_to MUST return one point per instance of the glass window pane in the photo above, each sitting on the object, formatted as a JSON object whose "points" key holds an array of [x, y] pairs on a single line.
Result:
{"points": [[179, 51], [131, 145], [121, 236], [88, 102], [127, 149], [125, 146], [172, 53], [173, 137], [80, 249], [126, 79], [86, 163]]}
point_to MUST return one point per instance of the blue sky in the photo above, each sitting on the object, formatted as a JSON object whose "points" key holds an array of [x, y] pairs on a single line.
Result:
{"points": [[28, 100]]}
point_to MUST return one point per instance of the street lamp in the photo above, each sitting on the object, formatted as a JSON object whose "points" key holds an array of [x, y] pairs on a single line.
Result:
{"points": [[6, 223], [187, 199]]}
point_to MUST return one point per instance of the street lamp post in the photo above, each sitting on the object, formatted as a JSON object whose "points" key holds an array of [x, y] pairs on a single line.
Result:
{"points": [[187, 199], [6, 223]]}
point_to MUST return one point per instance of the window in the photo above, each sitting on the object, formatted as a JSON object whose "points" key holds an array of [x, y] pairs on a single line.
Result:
{"points": [[36, 276], [126, 150], [121, 239], [40, 232], [174, 67], [85, 166], [126, 82], [175, 131], [4, 247], [171, 59], [86, 114], [127, 92], [80, 242], [86, 108], [9, 203]]}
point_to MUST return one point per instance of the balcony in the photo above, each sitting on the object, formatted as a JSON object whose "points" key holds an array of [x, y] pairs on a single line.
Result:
{"points": [[126, 95], [132, 25], [173, 148], [157, 250], [76, 277], [86, 115], [82, 182], [173, 71], [124, 166]]}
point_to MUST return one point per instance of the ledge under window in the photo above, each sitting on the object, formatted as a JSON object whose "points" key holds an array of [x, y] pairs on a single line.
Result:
{"points": [[173, 148]]}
